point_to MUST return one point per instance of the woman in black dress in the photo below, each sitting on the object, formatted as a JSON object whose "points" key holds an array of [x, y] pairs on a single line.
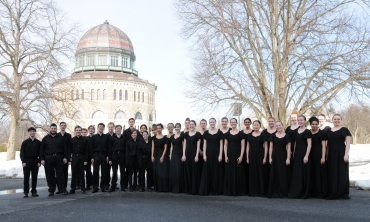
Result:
{"points": [[203, 128], [290, 130], [187, 125], [190, 156], [338, 148], [170, 127], [319, 176], [279, 156], [176, 165], [213, 147], [256, 158], [300, 183], [322, 125], [234, 184], [160, 167], [247, 131], [271, 129], [145, 153]]}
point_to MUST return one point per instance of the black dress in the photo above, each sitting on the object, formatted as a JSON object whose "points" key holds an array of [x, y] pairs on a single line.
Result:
{"points": [[319, 176], [176, 165], [279, 172], [291, 132], [192, 168], [167, 156], [246, 165], [212, 169], [160, 170], [266, 137], [201, 160], [300, 183], [234, 184], [338, 171], [257, 170]]}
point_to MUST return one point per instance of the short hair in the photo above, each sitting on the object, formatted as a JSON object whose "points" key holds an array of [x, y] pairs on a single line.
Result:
{"points": [[225, 118], [313, 119], [111, 123], [187, 119], [53, 124], [213, 119], [257, 121], [247, 119], [101, 124], [203, 120], [193, 121], [234, 119], [178, 125], [154, 126], [84, 129], [302, 117], [145, 126], [62, 123], [131, 119], [160, 124], [133, 131], [76, 127], [31, 129], [145, 132], [91, 126], [323, 115], [118, 126]]}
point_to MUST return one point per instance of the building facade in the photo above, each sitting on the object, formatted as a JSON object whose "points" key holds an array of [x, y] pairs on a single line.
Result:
{"points": [[105, 86]]}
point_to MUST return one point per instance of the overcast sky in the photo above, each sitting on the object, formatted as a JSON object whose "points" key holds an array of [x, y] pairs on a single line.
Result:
{"points": [[161, 54]]}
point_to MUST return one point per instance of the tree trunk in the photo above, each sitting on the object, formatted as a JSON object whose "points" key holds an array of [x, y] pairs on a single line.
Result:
{"points": [[12, 141]]}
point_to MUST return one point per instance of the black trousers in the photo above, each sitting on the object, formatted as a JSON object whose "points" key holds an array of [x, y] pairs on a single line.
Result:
{"points": [[65, 181], [119, 159], [109, 167], [146, 165], [54, 166], [31, 167], [87, 168], [77, 167], [132, 163], [100, 162]]}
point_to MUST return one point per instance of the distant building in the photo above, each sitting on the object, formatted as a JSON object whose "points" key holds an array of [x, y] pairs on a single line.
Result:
{"points": [[105, 86]]}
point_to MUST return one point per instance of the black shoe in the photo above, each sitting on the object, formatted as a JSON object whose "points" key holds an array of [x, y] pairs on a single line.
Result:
{"points": [[103, 190], [95, 191], [25, 195], [111, 190], [124, 189], [35, 195], [83, 191], [78, 187], [58, 192], [51, 194], [130, 189], [65, 193], [88, 188], [72, 191], [142, 190]]}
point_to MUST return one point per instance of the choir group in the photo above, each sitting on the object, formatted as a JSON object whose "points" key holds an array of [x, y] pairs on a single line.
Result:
{"points": [[293, 163]]}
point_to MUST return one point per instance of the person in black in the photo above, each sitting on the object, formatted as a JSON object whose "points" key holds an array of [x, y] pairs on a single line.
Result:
{"points": [[54, 154], [132, 156], [127, 135], [117, 156], [30, 153], [322, 123], [109, 167], [79, 150], [66, 137], [99, 151], [145, 152], [87, 167]]}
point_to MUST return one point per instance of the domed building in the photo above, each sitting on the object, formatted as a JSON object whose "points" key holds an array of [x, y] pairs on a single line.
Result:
{"points": [[104, 86]]}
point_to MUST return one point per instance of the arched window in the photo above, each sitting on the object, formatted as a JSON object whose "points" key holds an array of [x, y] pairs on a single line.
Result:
{"points": [[82, 94], [126, 95], [138, 96], [104, 94], [120, 94], [72, 95], [98, 115], [142, 96], [97, 94], [138, 116], [134, 95], [114, 94], [120, 115], [92, 94], [77, 94]]}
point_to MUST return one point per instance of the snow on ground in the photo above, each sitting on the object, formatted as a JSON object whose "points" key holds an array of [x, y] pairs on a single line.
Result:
{"points": [[359, 170]]}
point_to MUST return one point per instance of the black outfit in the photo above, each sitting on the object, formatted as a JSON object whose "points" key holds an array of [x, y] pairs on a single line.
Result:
{"points": [[291, 132], [279, 172], [300, 182], [127, 134], [234, 184], [117, 154], [319, 176], [326, 129], [67, 138], [211, 174], [338, 171], [160, 170], [53, 151], [145, 152], [176, 178], [257, 170], [79, 150], [168, 153], [99, 150], [132, 151], [30, 153], [266, 137], [109, 167], [87, 167], [192, 168], [246, 165]]}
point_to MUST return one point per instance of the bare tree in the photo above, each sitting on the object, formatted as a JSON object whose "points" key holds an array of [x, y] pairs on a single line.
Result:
{"points": [[276, 56], [36, 42], [355, 118]]}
